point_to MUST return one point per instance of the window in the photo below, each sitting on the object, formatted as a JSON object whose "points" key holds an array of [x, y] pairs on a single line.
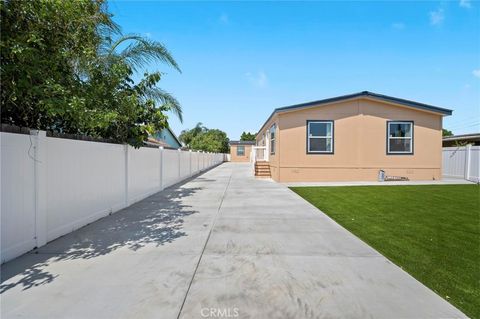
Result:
{"points": [[320, 137], [272, 139], [399, 137], [240, 150]]}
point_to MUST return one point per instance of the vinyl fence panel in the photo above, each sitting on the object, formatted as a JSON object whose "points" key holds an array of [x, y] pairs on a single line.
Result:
{"points": [[143, 173], [171, 167], [85, 181], [462, 162], [17, 195], [195, 168], [184, 165], [474, 171], [52, 186]]}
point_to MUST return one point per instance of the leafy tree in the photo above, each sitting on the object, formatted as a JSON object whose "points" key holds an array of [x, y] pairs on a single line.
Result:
{"points": [[42, 45], [446, 132], [247, 136], [186, 136], [62, 70], [140, 108], [211, 141], [134, 117]]}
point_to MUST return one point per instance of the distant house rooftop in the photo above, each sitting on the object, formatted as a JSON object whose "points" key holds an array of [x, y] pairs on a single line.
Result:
{"points": [[241, 143], [472, 138], [165, 138]]}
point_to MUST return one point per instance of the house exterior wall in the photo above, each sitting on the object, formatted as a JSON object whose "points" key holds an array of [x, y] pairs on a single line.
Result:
{"points": [[235, 158], [273, 159], [360, 143], [168, 138]]}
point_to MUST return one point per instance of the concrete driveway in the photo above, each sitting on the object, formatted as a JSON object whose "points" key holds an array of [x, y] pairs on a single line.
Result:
{"points": [[223, 245]]}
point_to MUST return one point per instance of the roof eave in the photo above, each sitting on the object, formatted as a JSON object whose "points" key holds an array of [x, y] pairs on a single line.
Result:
{"points": [[364, 94], [174, 136]]}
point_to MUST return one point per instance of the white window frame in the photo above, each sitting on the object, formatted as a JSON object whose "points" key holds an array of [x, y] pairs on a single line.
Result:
{"points": [[274, 139], [324, 137], [410, 152]]}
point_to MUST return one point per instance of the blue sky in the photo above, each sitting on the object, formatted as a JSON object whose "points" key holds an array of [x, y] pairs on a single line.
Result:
{"points": [[240, 60]]}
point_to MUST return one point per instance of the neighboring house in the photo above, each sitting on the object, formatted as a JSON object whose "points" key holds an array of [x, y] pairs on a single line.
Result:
{"points": [[240, 150], [352, 137], [461, 140], [166, 138]]}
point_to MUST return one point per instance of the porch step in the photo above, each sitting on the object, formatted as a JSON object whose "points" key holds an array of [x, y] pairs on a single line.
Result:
{"points": [[262, 169]]}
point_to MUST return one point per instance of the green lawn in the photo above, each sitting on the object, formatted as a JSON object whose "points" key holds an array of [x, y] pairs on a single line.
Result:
{"points": [[432, 232]]}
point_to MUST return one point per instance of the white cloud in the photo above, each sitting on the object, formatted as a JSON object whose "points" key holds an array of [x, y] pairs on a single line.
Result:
{"points": [[148, 35], [224, 18], [437, 17], [258, 79], [465, 3], [476, 73], [398, 26]]}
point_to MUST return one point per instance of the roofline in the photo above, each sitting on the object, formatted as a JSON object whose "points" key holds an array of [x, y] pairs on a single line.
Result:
{"points": [[174, 136], [241, 143], [461, 137], [409, 103]]}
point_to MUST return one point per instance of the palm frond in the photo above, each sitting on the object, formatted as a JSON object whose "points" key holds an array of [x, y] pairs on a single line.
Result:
{"points": [[143, 51], [108, 28], [168, 100], [106, 22], [129, 37]]}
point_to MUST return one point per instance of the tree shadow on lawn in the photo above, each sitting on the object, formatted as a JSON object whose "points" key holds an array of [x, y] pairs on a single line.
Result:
{"points": [[156, 220]]}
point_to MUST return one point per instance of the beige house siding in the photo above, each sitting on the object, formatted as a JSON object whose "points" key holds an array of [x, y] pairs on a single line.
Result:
{"points": [[360, 150], [235, 158], [273, 159]]}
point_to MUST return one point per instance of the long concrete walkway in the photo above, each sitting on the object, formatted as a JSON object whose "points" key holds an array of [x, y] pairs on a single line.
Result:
{"points": [[222, 245]]}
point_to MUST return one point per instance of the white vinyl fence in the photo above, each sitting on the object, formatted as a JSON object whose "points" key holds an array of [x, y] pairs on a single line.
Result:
{"points": [[462, 162], [52, 186]]}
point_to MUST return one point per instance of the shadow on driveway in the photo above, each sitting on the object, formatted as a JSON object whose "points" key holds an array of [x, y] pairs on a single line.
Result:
{"points": [[156, 220]]}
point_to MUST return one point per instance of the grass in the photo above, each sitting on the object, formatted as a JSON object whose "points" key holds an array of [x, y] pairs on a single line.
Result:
{"points": [[431, 231]]}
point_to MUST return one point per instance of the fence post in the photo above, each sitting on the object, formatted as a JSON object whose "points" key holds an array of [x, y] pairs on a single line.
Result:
{"points": [[160, 149], [198, 161], [468, 151], [179, 164], [126, 174], [190, 161], [39, 143]]}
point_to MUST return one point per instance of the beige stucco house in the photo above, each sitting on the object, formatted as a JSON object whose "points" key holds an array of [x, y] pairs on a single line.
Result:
{"points": [[240, 151], [351, 138]]}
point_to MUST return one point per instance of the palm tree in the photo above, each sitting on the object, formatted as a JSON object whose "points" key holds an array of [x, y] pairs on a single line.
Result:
{"points": [[199, 128], [186, 136], [137, 52]]}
